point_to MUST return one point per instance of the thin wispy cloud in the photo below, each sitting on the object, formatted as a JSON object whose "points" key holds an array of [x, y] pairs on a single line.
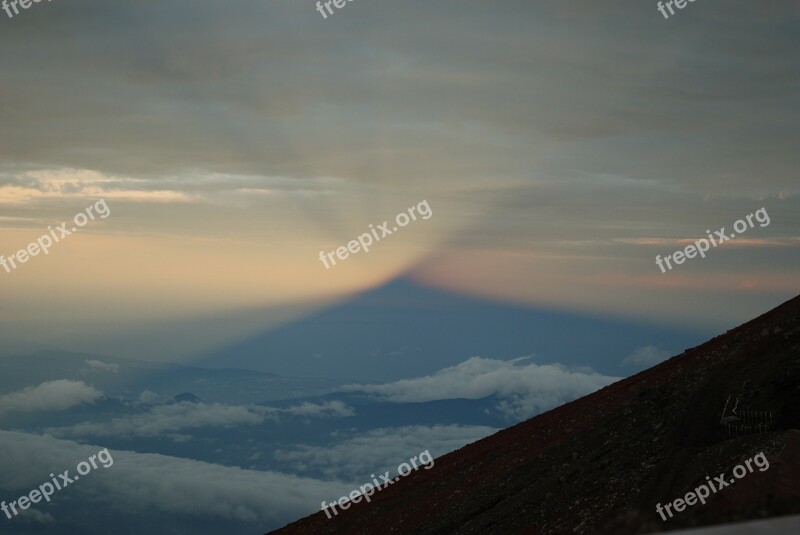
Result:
{"points": [[96, 365], [172, 419]]}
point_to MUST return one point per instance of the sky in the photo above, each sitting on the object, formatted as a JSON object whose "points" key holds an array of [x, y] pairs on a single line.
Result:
{"points": [[561, 146]]}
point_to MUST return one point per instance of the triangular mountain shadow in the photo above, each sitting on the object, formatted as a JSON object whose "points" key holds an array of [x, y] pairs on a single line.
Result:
{"points": [[406, 330]]}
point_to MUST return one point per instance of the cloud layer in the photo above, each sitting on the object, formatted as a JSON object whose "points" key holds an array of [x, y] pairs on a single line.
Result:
{"points": [[49, 396], [528, 388], [355, 456], [172, 418], [144, 483], [97, 365]]}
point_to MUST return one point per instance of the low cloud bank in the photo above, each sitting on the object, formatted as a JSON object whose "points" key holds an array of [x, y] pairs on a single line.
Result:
{"points": [[142, 484], [49, 396], [527, 389], [355, 456], [169, 419]]}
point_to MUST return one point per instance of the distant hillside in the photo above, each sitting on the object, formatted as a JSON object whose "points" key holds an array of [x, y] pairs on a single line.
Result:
{"points": [[603, 462]]}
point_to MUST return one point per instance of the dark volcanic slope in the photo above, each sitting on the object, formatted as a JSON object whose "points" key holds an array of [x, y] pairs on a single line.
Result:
{"points": [[601, 463]]}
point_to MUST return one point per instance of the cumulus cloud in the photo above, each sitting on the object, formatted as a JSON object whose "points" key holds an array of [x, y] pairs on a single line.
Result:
{"points": [[646, 356], [529, 388], [96, 365], [145, 484], [49, 396], [171, 418], [355, 457]]}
